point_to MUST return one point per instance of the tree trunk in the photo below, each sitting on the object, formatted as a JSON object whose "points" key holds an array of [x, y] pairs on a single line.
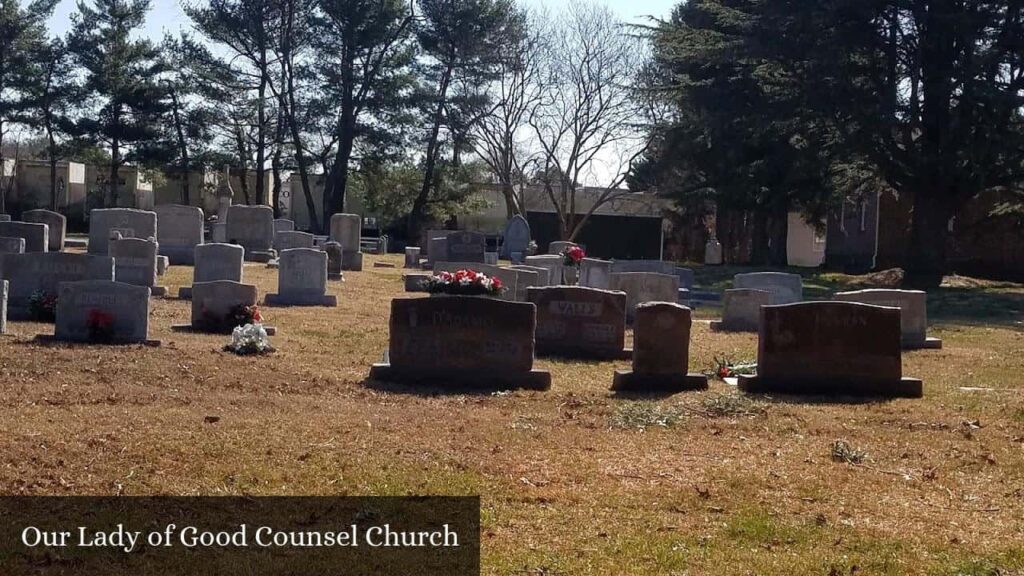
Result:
{"points": [[926, 257], [419, 205], [115, 165], [182, 150], [758, 234], [776, 236]]}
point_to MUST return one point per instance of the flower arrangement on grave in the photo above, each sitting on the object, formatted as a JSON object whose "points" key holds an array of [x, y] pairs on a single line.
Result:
{"points": [[42, 306], [239, 315], [531, 248], [727, 368], [100, 325], [463, 283], [572, 256], [248, 340]]}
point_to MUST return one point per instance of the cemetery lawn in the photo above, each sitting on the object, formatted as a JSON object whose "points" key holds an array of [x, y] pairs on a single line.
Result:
{"points": [[574, 480]]}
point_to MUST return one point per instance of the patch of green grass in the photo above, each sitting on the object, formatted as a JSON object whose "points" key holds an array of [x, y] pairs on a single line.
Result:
{"points": [[643, 415]]}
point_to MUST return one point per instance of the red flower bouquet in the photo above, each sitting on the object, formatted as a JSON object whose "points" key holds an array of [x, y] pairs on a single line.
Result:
{"points": [[463, 283], [573, 255]]}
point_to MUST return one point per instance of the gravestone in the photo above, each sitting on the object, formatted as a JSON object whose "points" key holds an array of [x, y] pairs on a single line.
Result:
{"points": [[36, 235], [543, 274], [578, 322], [346, 229], [215, 262], [713, 253], [462, 341], [4, 286], [335, 259], [438, 249], [12, 245], [219, 232], [43, 272], [465, 246], [289, 240], [135, 263], [128, 222], [741, 310], [414, 281], [252, 228], [302, 279], [491, 258], [552, 263], [784, 288], [162, 264], [5, 217], [214, 302], [516, 238], [830, 348], [643, 287], [913, 313], [103, 312], [283, 225], [559, 246], [412, 256], [595, 273], [179, 231], [661, 351], [56, 226]]}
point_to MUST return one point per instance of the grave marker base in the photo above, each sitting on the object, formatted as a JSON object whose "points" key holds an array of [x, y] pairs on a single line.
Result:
{"points": [[629, 381], [329, 300], [563, 351], [903, 388], [532, 380]]}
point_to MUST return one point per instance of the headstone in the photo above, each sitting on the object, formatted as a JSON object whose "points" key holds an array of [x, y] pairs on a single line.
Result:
{"points": [[283, 225], [43, 272], [56, 226], [12, 245], [913, 313], [559, 246], [552, 263], [713, 253], [252, 228], [102, 311], [462, 341], [162, 264], [36, 235], [219, 232], [179, 231], [578, 322], [412, 256], [784, 288], [830, 348], [516, 237], [289, 240], [5, 217], [346, 229], [491, 258], [685, 277], [741, 310], [128, 222], [215, 262], [543, 274], [135, 263], [224, 195], [465, 246], [302, 279], [414, 281], [643, 287], [595, 273], [213, 304], [4, 287], [438, 249], [661, 351], [335, 257]]}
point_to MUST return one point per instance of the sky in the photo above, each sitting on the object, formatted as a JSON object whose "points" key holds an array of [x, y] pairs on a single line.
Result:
{"points": [[167, 16]]}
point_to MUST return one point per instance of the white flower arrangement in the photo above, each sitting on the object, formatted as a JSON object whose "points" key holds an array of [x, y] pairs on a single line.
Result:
{"points": [[249, 339]]}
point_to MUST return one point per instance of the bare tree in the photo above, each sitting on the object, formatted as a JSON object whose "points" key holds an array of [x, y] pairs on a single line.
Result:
{"points": [[587, 123], [499, 136]]}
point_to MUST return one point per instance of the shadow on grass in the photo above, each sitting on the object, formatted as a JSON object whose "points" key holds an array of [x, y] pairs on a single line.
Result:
{"points": [[433, 390], [821, 399]]}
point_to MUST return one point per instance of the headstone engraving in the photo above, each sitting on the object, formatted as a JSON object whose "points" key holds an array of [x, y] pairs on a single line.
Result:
{"points": [[913, 313], [252, 228], [302, 279], [462, 341], [56, 226], [784, 288], [516, 237], [661, 351], [741, 310], [43, 272], [179, 231], [830, 348], [643, 287], [102, 311], [36, 235], [578, 322], [128, 222]]}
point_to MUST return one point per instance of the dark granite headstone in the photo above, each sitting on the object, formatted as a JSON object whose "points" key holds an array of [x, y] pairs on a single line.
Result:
{"points": [[579, 322]]}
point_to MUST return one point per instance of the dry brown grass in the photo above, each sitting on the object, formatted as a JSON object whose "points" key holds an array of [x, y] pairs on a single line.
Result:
{"points": [[722, 489]]}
